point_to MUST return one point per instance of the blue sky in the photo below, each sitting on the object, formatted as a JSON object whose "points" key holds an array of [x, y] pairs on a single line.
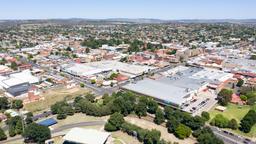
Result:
{"points": [[100, 9]]}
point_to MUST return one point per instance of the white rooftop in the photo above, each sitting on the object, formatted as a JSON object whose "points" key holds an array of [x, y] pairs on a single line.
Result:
{"points": [[86, 136], [100, 66], [25, 76], [157, 89], [9, 82]]}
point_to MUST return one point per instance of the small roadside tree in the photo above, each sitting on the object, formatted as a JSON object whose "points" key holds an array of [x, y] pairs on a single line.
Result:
{"points": [[233, 124], [182, 131], [36, 133], [17, 104], [240, 83], [159, 116], [224, 96], [114, 122], [205, 115], [2, 135]]}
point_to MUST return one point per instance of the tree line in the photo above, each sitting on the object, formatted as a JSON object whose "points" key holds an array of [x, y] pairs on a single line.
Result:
{"points": [[181, 124]]}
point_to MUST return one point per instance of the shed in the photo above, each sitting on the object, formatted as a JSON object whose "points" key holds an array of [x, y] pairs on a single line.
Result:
{"points": [[221, 108]]}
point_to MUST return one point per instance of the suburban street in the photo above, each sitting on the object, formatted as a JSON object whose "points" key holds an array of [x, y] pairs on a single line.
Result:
{"points": [[230, 138]]}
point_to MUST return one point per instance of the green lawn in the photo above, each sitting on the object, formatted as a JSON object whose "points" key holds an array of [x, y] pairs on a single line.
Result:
{"points": [[237, 112], [232, 111]]}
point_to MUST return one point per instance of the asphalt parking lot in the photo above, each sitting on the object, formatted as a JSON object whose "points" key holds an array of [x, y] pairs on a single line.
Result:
{"points": [[203, 102]]}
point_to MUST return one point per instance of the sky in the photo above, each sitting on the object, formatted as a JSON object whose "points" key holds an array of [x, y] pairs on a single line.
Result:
{"points": [[102, 9]]}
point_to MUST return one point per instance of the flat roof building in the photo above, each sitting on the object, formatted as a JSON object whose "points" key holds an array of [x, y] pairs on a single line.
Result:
{"points": [[162, 92], [17, 83], [86, 136], [92, 68], [178, 85]]}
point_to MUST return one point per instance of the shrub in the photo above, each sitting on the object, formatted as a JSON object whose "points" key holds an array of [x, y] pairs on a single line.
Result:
{"points": [[182, 131]]}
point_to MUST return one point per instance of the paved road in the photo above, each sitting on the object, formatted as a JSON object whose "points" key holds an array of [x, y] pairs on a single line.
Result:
{"points": [[82, 124], [62, 128], [230, 138]]}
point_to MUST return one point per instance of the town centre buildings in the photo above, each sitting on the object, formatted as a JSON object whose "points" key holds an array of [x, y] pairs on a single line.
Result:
{"points": [[88, 69], [179, 85]]}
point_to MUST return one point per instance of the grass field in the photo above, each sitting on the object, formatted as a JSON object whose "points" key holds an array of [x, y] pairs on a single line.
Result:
{"points": [[54, 95], [77, 118], [232, 111], [237, 112], [118, 135]]}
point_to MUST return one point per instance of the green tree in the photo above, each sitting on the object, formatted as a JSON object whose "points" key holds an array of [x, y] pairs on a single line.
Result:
{"points": [[248, 121], [233, 124], [159, 116], [152, 137], [168, 112], [68, 49], [182, 131], [61, 115], [14, 65], [2, 135], [152, 106], [15, 125], [207, 138], [253, 57], [17, 104], [240, 83], [114, 122], [93, 81], [12, 131], [113, 75], [90, 97], [224, 96], [123, 103], [36, 133], [205, 115], [29, 118], [4, 103], [172, 124], [19, 127], [220, 121], [243, 98], [109, 127], [87, 50], [82, 85], [141, 106]]}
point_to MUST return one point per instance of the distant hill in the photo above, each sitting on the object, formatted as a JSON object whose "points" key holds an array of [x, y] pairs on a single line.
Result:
{"points": [[72, 21]]}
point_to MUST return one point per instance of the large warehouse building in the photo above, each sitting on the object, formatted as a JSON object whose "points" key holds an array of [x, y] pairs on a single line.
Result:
{"points": [[179, 85], [88, 69], [18, 83]]}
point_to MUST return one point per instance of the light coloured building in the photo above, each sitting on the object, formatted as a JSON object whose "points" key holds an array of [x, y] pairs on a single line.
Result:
{"points": [[86, 136], [87, 69], [179, 85], [18, 83]]}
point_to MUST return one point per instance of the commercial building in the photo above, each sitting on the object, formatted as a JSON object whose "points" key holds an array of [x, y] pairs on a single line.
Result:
{"points": [[88, 69], [18, 83], [180, 85], [86, 136], [163, 93]]}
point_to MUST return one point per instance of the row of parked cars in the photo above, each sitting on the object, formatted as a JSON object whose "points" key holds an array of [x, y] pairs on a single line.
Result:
{"points": [[200, 105]]}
